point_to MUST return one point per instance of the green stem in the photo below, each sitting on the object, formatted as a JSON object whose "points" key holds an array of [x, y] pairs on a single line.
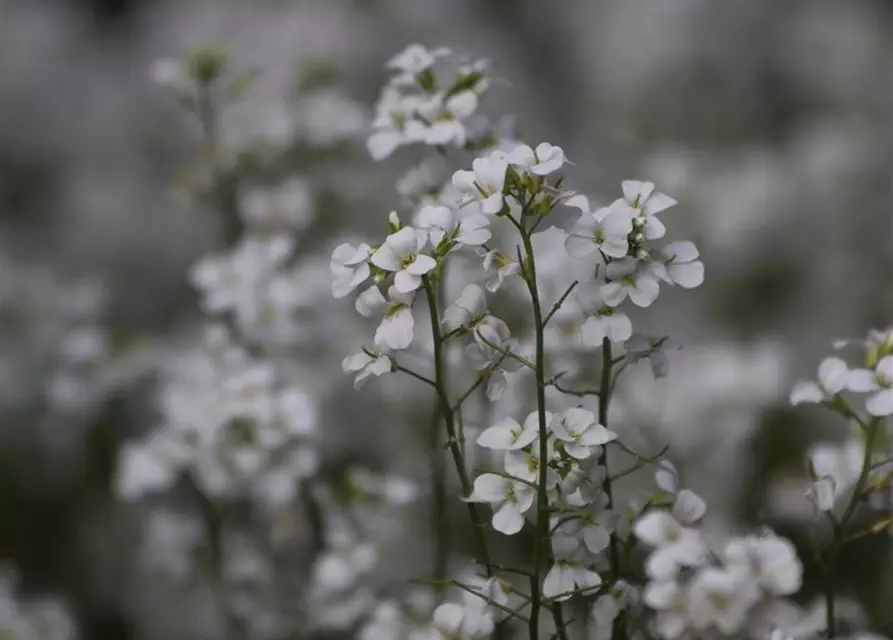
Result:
{"points": [[871, 431], [449, 417], [604, 401], [541, 549], [438, 490], [223, 186], [438, 482]]}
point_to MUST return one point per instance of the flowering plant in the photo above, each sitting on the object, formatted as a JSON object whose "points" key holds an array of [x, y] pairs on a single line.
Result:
{"points": [[522, 326], [548, 458]]}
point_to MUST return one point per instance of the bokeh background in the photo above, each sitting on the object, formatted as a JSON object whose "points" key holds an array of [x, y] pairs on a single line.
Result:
{"points": [[769, 121]]}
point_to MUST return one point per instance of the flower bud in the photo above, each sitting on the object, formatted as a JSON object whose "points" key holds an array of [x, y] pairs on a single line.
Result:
{"points": [[394, 221], [206, 65]]}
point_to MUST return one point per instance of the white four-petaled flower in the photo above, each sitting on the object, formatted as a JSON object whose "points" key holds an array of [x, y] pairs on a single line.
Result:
{"points": [[510, 498], [365, 365], [628, 277], [400, 253], [680, 265], [602, 321], [606, 229], [485, 182], [879, 383], [578, 430], [508, 435], [542, 161], [833, 376], [349, 268], [646, 203], [570, 571], [396, 329]]}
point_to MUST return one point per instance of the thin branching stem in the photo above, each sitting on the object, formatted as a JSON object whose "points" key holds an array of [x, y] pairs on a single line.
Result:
{"points": [[506, 352], [557, 306], [449, 417]]}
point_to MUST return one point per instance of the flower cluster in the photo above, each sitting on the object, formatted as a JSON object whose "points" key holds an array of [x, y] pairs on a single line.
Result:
{"points": [[341, 590], [235, 423], [695, 587], [623, 234], [837, 468], [418, 106], [553, 472]]}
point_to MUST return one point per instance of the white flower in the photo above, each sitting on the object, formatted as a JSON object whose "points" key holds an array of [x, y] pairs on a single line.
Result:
{"points": [[468, 310], [394, 123], [629, 278], [879, 383], [146, 467], [646, 204], [501, 381], [365, 365], [772, 562], [607, 229], [397, 325], [602, 321], [443, 224], [230, 281], [841, 464], [508, 435], [446, 116], [833, 376], [526, 464], [604, 611], [544, 160], [579, 431], [722, 598], [511, 500], [666, 477], [680, 265], [595, 523], [491, 330], [689, 507], [498, 266], [676, 545], [400, 253], [822, 493], [415, 58], [569, 572], [474, 618], [349, 268], [452, 621], [670, 600], [485, 182]]}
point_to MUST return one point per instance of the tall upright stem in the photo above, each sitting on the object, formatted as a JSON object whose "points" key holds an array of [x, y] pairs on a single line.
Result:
{"points": [[604, 403], [440, 522], [449, 418], [840, 527], [541, 550]]}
